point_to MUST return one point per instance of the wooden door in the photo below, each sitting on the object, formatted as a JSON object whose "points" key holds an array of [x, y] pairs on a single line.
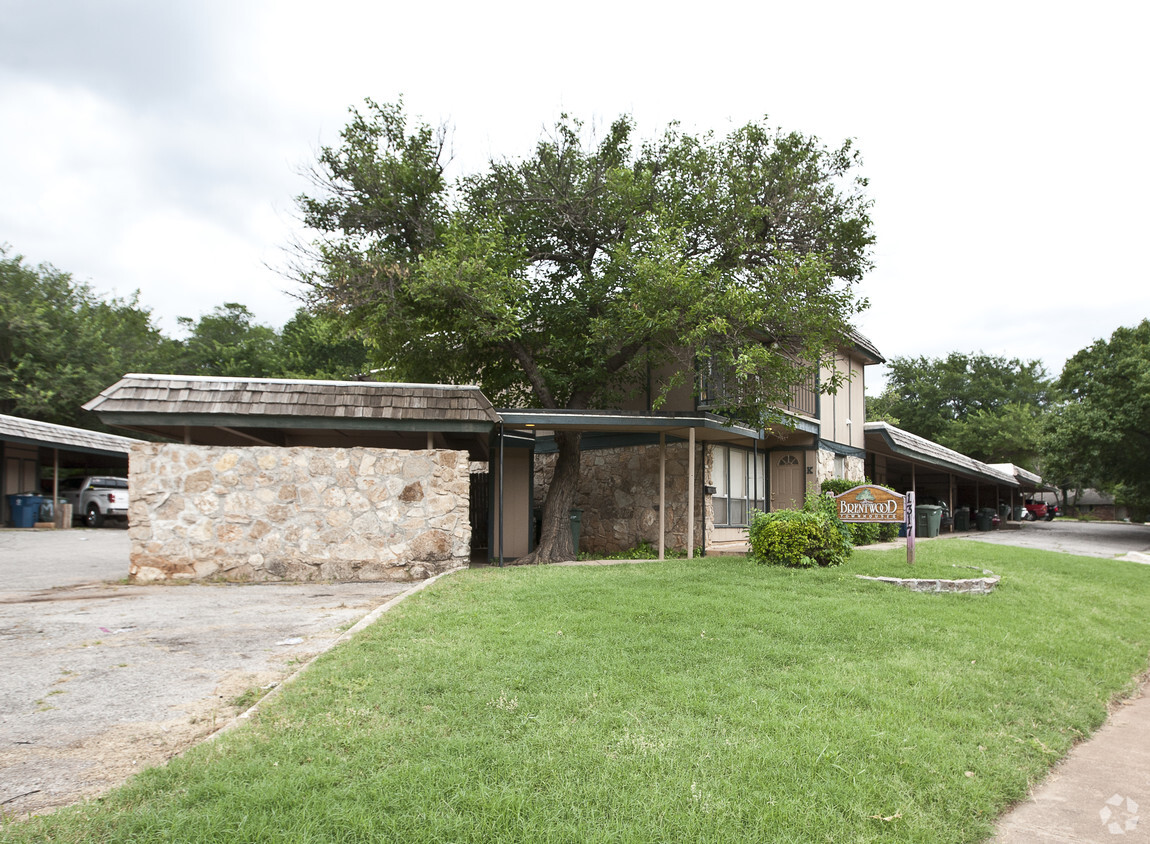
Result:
{"points": [[786, 482]]}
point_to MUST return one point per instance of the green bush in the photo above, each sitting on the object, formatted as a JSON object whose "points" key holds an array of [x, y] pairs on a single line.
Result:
{"points": [[837, 486], [800, 538]]}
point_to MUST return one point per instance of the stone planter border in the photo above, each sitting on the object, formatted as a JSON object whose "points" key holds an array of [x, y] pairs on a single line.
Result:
{"points": [[969, 586]]}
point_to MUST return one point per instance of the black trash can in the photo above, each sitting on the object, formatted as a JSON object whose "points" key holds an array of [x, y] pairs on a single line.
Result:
{"points": [[576, 526]]}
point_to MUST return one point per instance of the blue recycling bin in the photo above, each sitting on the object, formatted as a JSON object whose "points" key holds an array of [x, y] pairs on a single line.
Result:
{"points": [[24, 509]]}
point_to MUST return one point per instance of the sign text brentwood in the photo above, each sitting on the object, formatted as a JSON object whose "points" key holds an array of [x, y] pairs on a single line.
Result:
{"points": [[871, 503]]}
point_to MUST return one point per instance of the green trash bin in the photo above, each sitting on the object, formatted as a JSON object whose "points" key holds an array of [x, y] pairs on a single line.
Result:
{"points": [[962, 519], [983, 518], [927, 520], [576, 523]]}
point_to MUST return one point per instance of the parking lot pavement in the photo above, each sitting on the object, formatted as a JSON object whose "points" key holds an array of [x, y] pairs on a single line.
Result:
{"points": [[103, 678], [47, 559], [1088, 539]]}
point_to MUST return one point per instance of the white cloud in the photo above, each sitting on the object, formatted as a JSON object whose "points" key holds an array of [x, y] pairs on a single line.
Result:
{"points": [[159, 144]]}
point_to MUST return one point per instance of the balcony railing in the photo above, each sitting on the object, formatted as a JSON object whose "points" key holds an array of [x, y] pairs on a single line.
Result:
{"points": [[716, 389]]}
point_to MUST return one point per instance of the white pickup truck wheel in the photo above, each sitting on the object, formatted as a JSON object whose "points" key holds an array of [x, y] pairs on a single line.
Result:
{"points": [[94, 518]]}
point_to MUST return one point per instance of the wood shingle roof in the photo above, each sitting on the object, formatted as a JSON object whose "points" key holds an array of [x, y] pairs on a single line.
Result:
{"points": [[32, 432], [194, 397], [911, 445]]}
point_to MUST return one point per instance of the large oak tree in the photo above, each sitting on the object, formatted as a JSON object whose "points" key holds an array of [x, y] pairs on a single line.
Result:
{"points": [[558, 280]]}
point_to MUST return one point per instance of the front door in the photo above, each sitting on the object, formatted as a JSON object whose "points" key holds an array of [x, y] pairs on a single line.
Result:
{"points": [[786, 482]]}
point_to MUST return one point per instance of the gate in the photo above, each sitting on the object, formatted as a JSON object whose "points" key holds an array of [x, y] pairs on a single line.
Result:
{"points": [[478, 512]]}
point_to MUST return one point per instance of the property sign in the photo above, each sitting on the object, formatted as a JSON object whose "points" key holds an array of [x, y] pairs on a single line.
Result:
{"points": [[869, 503]]}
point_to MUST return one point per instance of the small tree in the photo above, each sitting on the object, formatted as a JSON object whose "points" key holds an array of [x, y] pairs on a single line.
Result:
{"points": [[560, 279]]}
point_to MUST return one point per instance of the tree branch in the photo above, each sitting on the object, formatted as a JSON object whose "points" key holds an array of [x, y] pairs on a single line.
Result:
{"points": [[538, 385]]}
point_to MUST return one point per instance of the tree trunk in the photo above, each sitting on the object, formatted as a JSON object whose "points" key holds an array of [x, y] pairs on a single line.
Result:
{"points": [[555, 545]]}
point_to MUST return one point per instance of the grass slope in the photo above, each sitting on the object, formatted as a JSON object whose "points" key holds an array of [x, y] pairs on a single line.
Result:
{"points": [[705, 700]]}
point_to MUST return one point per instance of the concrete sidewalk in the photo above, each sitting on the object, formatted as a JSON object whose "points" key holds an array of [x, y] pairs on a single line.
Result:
{"points": [[1099, 793]]}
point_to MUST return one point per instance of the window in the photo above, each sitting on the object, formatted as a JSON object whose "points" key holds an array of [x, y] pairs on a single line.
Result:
{"points": [[740, 483]]}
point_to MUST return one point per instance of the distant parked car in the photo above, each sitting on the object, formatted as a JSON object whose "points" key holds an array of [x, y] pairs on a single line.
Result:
{"points": [[95, 499], [1037, 511]]}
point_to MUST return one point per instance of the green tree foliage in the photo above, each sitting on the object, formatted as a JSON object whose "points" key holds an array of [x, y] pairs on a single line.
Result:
{"points": [[61, 343], [559, 280], [228, 342], [316, 346], [986, 406], [1099, 433]]}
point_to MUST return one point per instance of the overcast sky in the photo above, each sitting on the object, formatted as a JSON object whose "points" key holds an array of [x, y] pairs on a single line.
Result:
{"points": [[157, 145]]}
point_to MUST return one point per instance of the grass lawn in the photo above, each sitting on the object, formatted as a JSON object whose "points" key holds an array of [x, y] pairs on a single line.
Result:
{"points": [[704, 700]]}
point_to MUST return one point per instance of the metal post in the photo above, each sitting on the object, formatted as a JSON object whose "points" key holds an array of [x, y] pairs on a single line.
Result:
{"points": [[662, 492], [501, 494], [690, 493], [754, 473], [56, 487]]}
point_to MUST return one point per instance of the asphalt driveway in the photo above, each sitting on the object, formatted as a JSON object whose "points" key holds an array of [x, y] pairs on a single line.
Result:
{"points": [[102, 679], [1088, 539]]}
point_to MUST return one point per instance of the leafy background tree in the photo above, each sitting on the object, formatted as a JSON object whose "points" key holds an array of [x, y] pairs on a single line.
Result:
{"points": [[318, 346], [988, 407], [228, 342], [61, 343], [560, 279], [1098, 432]]}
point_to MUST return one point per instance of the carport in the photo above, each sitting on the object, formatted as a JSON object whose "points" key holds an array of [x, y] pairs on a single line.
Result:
{"points": [[904, 461], [27, 446], [416, 446]]}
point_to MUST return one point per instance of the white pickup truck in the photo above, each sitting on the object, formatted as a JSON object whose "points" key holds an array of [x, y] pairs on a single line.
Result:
{"points": [[95, 499]]}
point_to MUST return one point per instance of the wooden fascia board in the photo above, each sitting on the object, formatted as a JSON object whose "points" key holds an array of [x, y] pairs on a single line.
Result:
{"points": [[141, 422], [79, 449], [953, 468]]}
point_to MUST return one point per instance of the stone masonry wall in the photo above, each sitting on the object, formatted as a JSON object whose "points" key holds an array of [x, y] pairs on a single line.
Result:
{"points": [[296, 514], [619, 496], [825, 468]]}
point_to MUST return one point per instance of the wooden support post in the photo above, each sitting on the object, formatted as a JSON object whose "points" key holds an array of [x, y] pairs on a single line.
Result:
{"points": [[662, 493], [911, 518], [690, 493]]}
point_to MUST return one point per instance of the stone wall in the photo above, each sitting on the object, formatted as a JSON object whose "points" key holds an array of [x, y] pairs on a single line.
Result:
{"points": [[297, 514], [619, 496], [855, 468]]}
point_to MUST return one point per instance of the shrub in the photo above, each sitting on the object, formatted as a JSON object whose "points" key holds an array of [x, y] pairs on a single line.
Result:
{"points": [[837, 486], [801, 538], [888, 532]]}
